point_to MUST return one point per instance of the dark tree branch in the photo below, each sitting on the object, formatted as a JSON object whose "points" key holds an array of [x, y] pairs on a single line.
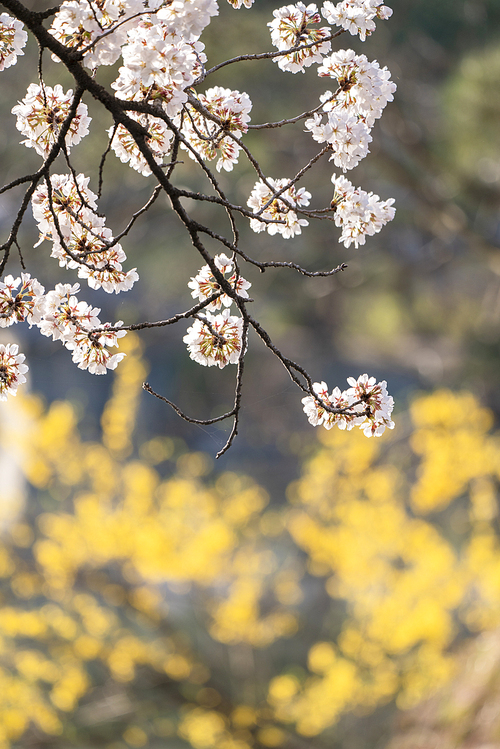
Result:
{"points": [[126, 113]]}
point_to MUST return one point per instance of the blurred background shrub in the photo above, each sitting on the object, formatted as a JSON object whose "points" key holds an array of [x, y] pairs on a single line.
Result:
{"points": [[148, 600]]}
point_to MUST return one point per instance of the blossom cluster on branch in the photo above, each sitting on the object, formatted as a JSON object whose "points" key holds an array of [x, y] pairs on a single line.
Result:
{"points": [[365, 404], [160, 107]]}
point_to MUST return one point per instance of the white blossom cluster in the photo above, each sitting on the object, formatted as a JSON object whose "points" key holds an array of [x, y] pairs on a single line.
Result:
{"points": [[347, 134], [81, 241], [365, 87], [216, 340], [347, 116], [41, 114], [356, 16], [204, 284], [238, 3], [364, 90], [208, 137], [159, 64], [365, 404], [25, 304], [188, 18], [80, 23], [359, 213], [58, 314], [79, 329], [12, 40], [292, 28], [278, 211], [12, 369], [125, 147]]}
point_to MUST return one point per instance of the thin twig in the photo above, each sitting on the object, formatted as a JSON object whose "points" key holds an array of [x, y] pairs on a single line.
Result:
{"points": [[147, 387], [162, 323], [268, 55]]}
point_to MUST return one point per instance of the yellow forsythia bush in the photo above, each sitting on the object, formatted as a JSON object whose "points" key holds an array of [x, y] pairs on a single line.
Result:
{"points": [[146, 599]]}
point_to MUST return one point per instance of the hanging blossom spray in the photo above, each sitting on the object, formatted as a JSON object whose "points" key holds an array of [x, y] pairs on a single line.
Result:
{"points": [[159, 113]]}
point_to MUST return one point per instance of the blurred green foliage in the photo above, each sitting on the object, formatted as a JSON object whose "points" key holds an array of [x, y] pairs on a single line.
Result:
{"points": [[472, 112]]}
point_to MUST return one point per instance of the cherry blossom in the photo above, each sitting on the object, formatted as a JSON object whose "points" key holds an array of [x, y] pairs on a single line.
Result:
{"points": [[378, 402], [80, 239], [188, 18], [76, 324], [356, 16], [347, 134], [64, 315], [204, 284], [365, 404], [215, 340], [278, 210], [12, 369], [90, 250], [69, 201], [90, 350], [365, 88], [291, 28], [359, 213], [12, 40], [318, 415], [78, 23], [125, 147], [159, 65], [238, 3], [313, 409], [41, 114], [27, 303], [208, 137]]}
